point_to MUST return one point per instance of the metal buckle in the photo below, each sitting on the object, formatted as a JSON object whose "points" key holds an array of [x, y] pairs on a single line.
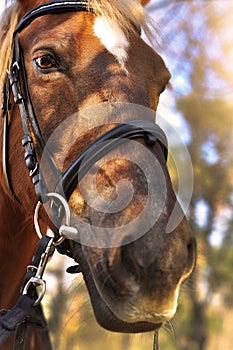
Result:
{"points": [[37, 280]]}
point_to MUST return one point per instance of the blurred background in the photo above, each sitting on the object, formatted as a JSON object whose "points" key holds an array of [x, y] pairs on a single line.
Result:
{"points": [[195, 38]]}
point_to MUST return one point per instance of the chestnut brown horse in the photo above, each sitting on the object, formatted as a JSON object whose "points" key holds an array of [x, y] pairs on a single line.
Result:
{"points": [[80, 78]]}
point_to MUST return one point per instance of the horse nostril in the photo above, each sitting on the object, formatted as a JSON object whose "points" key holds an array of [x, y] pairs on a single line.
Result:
{"points": [[191, 261], [192, 247]]}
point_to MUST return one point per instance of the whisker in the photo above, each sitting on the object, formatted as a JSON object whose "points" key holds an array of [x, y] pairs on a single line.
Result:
{"points": [[170, 330], [81, 321]]}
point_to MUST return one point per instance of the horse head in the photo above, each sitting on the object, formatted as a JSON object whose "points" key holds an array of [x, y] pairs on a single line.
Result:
{"points": [[87, 72]]}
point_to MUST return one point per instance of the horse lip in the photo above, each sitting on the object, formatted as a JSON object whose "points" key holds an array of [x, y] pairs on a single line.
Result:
{"points": [[132, 315], [137, 315], [103, 313]]}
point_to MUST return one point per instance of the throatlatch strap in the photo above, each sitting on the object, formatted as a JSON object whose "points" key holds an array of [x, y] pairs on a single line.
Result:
{"points": [[54, 7]]}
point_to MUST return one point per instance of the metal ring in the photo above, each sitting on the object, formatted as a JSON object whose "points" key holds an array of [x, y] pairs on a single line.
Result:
{"points": [[36, 282], [67, 215]]}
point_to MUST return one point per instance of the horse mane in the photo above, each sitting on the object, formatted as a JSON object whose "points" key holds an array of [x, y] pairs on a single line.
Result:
{"points": [[129, 14]]}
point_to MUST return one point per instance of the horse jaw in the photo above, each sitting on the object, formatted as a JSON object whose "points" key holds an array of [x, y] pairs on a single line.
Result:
{"points": [[134, 284], [133, 301], [103, 312]]}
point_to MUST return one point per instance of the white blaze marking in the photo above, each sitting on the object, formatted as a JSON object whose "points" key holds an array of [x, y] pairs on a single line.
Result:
{"points": [[113, 38]]}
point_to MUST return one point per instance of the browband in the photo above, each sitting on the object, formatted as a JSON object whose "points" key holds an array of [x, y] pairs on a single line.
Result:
{"points": [[52, 8]]}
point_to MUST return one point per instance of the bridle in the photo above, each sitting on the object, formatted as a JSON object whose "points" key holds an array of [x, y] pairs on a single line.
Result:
{"points": [[16, 84]]}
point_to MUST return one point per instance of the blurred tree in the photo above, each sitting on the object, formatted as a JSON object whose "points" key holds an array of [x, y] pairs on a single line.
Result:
{"points": [[198, 39]]}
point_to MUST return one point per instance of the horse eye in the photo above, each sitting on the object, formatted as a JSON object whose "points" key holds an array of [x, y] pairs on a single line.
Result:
{"points": [[46, 63]]}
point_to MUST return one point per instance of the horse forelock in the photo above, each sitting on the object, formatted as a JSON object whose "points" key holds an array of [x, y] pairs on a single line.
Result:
{"points": [[8, 22], [129, 14]]}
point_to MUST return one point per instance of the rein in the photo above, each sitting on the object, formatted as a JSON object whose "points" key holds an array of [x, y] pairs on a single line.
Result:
{"points": [[28, 310]]}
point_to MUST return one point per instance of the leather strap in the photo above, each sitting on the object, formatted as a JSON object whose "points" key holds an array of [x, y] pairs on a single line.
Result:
{"points": [[150, 131], [18, 314], [50, 8]]}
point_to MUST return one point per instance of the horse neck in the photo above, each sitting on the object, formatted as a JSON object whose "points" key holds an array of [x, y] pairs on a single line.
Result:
{"points": [[17, 244]]}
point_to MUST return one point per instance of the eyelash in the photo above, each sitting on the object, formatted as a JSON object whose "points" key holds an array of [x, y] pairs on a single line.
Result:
{"points": [[50, 63]]}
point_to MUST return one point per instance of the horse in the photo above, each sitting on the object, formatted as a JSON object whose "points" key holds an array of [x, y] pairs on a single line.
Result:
{"points": [[80, 93]]}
